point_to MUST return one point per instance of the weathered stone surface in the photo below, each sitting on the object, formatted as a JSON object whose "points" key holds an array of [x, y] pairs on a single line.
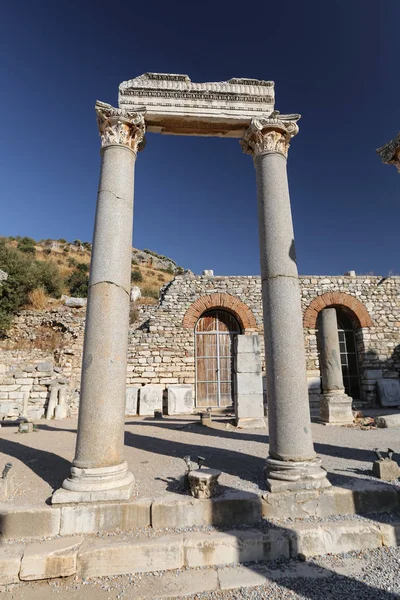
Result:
{"points": [[93, 518], [10, 562], [204, 482], [29, 522], [386, 469], [180, 399], [54, 558], [388, 421], [389, 392], [136, 294], [336, 408], [131, 400], [151, 397], [146, 555], [248, 384], [74, 302]]}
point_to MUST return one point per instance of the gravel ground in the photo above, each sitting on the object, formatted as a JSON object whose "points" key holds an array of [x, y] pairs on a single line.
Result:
{"points": [[155, 448]]}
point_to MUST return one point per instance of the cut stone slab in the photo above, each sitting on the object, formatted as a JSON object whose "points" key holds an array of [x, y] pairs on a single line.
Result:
{"points": [[204, 482], [29, 522], [54, 558], [131, 400], [388, 421], [386, 469], [148, 554], [180, 399], [251, 423], [10, 562], [389, 392], [247, 384], [247, 344], [151, 398]]}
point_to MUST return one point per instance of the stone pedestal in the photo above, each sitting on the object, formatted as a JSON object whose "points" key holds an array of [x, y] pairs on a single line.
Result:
{"points": [[248, 399], [292, 463], [386, 469], [335, 405], [203, 482], [99, 471]]}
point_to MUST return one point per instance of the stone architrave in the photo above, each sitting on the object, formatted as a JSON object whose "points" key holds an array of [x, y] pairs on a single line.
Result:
{"points": [[292, 463], [335, 404], [389, 392], [131, 404], [99, 471], [151, 399], [248, 396], [180, 399]]}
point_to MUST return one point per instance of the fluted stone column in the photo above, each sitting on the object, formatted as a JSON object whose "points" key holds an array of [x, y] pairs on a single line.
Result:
{"points": [[335, 404], [292, 463], [99, 471]]}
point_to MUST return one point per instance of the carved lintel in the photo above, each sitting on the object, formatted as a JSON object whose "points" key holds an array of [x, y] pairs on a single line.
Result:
{"points": [[390, 153], [120, 127], [270, 134]]}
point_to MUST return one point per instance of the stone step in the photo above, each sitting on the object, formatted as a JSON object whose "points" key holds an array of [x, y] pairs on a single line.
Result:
{"points": [[93, 557]]}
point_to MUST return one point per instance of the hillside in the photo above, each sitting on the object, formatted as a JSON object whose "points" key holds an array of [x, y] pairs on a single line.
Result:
{"points": [[51, 268]]}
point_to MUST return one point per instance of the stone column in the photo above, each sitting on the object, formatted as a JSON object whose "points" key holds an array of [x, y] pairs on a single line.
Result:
{"points": [[292, 463], [335, 405], [99, 471]]}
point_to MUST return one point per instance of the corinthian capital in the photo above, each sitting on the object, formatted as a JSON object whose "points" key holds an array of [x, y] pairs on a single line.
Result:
{"points": [[120, 127], [270, 134]]}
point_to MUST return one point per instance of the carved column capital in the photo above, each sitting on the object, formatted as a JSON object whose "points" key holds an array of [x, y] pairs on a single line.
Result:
{"points": [[390, 153], [120, 127], [270, 134]]}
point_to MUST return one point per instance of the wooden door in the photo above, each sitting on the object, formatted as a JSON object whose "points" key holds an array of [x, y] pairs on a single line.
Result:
{"points": [[214, 335]]}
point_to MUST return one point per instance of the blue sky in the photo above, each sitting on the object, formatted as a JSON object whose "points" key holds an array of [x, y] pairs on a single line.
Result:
{"points": [[334, 62]]}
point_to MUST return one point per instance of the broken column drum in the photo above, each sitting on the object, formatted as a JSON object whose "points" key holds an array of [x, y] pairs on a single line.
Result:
{"points": [[292, 463], [335, 404], [99, 471]]}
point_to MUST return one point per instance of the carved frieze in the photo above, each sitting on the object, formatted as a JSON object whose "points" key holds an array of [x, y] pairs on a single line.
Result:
{"points": [[120, 127], [390, 153], [270, 134]]}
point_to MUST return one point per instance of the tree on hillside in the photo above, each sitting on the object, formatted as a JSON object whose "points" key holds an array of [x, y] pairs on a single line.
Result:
{"points": [[27, 245], [78, 281]]}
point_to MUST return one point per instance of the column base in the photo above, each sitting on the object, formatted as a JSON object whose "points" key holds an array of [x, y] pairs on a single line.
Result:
{"points": [[336, 409], [284, 476], [95, 485]]}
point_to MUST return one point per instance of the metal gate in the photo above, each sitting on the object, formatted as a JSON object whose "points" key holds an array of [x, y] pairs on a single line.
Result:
{"points": [[214, 334]]}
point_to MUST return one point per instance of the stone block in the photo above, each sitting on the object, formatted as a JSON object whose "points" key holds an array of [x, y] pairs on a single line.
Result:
{"points": [[390, 533], [54, 558], [204, 482], [96, 518], [389, 392], [388, 421], [251, 423], [29, 522], [308, 503], [373, 374], [227, 511], [131, 400], [247, 384], [247, 344], [207, 549], [386, 469], [249, 406], [314, 383], [248, 363], [143, 556], [180, 399], [10, 563], [44, 366], [151, 398], [336, 409]]}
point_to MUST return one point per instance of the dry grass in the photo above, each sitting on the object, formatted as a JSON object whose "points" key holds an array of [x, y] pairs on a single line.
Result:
{"points": [[38, 299]]}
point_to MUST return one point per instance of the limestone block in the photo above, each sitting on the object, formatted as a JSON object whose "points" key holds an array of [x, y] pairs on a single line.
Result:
{"points": [[95, 518], [136, 294], [74, 302], [390, 533], [159, 554], [131, 400], [336, 409], [151, 397], [249, 406], [204, 482], [389, 392], [247, 344], [386, 469], [10, 562], [180, 399], [247, 384], [388, 421], [29, 522], [248, 362], [44, 366], [373, 374], [54, 558]]}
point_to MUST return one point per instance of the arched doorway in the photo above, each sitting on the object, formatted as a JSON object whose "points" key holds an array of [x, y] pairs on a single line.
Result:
{"points": [[214, 334]]}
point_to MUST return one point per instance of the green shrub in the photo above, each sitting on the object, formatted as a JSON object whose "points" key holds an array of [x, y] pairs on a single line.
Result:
{"points": [[136, 276], [48, 276], [150, 292], [71, 261], [78, 281], [27, 245]]}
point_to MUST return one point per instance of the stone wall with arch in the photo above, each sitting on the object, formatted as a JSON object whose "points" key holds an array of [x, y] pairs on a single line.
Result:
{"points": [[224, 301]]}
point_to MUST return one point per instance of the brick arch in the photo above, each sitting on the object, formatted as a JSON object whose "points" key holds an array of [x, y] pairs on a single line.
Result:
{"points": [[360, 314], [230, 303]]}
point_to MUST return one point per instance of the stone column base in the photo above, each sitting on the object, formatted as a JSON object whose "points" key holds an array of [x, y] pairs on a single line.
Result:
{"points": [[284, 476], [94, 485], [336, 409], [251, 423]]}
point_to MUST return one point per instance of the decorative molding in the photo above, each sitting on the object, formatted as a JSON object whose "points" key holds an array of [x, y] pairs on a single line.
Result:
{"points": [[120, 127], [390, 152], [361, 317], [230, 303], [270, 134]]}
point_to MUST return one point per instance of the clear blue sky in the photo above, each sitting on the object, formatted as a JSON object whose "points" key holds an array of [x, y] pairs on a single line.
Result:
{"points": [[336, 63]]}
